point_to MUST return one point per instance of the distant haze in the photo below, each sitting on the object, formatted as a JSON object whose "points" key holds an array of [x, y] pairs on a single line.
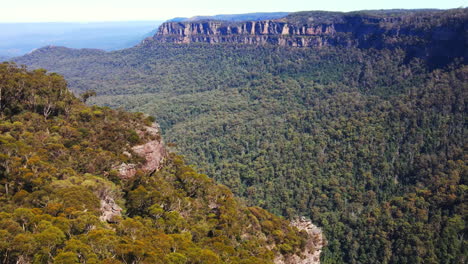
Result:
{"points": [[235, 17], [19, 38], [123, 10]]}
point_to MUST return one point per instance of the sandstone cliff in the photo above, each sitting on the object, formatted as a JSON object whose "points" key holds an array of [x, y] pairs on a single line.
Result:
{"points": [[152, 151], [251, 32], [421, 33]]}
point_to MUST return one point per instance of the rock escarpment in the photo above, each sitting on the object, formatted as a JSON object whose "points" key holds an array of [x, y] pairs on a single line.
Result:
{"points": [[250, 32], [422, 33]]}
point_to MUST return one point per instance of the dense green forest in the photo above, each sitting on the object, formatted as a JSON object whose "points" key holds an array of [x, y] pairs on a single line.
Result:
{"points": [[57, 166], [369, 143]]}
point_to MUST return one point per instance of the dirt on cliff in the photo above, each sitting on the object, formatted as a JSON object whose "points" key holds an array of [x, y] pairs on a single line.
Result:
{"points": [[313, 247]]}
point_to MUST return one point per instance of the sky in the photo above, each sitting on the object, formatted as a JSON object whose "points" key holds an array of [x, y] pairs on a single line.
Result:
{"points": [[134, 10]]}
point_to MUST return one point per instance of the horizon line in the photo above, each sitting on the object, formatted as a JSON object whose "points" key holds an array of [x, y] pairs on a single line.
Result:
{"points": [[260, 12]]}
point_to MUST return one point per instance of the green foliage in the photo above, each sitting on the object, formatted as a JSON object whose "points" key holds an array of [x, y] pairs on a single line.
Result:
{"points": [[369, 143], [57, 170], [87, 94], [364, 142]]}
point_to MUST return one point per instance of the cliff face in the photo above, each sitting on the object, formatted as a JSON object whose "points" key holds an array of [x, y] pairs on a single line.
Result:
{"points": [[251, 32], [152, 151], [421, 33]]}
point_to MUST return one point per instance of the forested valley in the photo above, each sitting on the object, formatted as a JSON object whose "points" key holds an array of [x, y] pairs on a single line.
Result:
{"points": [[369, 143]]}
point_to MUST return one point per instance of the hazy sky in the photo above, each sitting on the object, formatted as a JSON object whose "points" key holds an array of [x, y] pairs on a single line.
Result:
{"points": [[124, 10]]}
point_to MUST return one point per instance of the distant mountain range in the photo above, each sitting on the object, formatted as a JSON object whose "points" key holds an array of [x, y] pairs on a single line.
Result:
{"points": [[234, 17], [19, 38]]}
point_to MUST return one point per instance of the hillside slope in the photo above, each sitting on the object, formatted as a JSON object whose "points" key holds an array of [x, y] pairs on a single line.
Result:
{"points": [[64, 197]]}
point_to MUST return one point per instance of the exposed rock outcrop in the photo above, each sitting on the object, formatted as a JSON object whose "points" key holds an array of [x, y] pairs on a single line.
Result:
{"points": [[152, 151], [109, 210], [313, 248], [250, 32]]}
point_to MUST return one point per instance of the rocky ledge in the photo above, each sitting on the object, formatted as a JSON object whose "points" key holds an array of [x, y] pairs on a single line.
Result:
{"points": [[152, 151]]}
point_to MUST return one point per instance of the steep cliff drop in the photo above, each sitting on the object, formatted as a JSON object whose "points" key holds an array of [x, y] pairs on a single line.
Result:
{"points": [[436, 35], [250, 32]]}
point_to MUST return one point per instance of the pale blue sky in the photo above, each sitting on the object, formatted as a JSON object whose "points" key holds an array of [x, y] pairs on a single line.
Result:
{"points": [[125, 10]]}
